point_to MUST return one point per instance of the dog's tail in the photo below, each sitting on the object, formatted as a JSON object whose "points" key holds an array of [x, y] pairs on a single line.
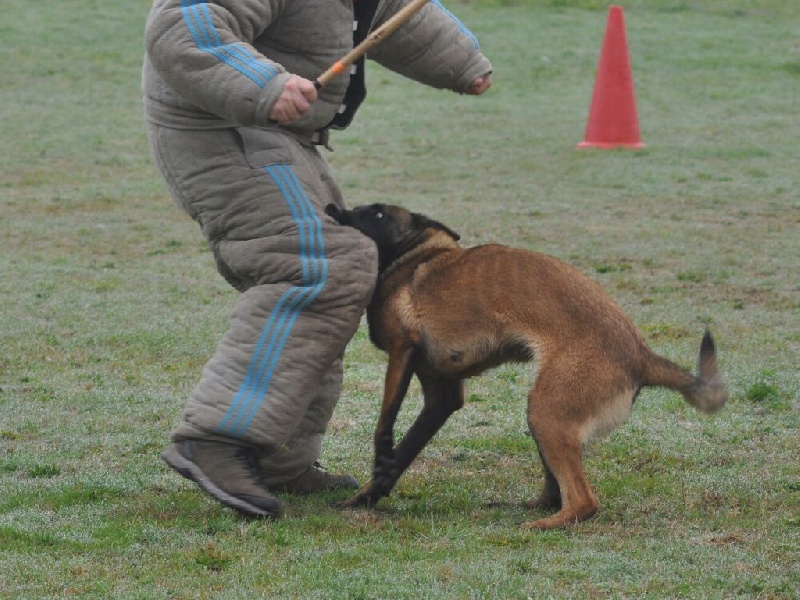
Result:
{"points": [[704, 390]]}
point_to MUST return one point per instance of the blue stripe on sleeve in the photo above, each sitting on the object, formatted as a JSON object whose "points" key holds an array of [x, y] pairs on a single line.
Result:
{"points": [[199, 21], [461, 26]]}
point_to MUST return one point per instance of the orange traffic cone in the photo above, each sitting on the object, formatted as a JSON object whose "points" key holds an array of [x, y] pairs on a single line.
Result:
{"points": [[613, 121]]}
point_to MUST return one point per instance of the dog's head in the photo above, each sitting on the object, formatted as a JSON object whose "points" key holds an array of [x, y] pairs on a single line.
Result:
{"points": [[394, 230]]}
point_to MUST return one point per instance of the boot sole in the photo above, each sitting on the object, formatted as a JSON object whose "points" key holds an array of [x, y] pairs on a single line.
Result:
{"points": [[186, 468]]}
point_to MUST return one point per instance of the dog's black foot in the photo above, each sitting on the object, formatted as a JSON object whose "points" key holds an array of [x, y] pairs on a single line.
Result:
{"points": [[367, 496], [357, 501]]}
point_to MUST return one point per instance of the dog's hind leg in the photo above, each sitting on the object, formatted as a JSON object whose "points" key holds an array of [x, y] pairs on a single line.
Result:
{"points": [[551, 494], [556, 429], [561, 451]]}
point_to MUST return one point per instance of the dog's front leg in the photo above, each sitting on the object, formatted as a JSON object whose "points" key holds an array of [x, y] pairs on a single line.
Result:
{"points": [[385, 472], [442, 398]]}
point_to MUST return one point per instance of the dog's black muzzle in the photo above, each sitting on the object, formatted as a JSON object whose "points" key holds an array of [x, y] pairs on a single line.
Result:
{"points": [[340, 214]]}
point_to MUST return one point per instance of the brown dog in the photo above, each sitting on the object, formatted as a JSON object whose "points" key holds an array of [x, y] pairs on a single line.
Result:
{"points": [[445, 313]]}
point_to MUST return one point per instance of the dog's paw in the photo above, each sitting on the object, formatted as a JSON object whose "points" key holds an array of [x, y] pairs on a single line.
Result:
{"points": [[358, 501], [365, 497], [354, 502]]}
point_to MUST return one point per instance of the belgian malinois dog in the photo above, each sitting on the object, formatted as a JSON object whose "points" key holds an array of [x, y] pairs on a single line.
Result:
{"points": [[445, 313]]}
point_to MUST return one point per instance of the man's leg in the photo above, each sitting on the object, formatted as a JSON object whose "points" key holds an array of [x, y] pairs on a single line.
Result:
{"points": [[306, 281], [280, 468]]}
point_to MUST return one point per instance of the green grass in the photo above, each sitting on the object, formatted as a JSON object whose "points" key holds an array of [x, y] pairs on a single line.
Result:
{"points": [[111, 306]]}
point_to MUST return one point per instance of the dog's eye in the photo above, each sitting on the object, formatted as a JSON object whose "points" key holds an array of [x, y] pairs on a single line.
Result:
{"points": [[379, 215]]}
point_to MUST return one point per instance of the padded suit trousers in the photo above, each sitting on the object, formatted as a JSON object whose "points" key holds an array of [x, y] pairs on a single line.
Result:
{"points": [[275, 378]]}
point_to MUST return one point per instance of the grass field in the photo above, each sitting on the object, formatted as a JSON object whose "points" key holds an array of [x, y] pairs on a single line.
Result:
{"points": [[111, 306]]}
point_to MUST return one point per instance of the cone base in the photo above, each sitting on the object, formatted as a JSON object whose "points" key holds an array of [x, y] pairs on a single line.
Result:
{"points": [[609, 145]]}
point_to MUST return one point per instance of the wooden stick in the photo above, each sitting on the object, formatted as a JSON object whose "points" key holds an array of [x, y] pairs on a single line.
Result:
{"points": [[373, 39]]}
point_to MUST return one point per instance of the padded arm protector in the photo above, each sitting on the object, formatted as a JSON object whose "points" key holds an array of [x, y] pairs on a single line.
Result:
{"points": [[434, 48]]}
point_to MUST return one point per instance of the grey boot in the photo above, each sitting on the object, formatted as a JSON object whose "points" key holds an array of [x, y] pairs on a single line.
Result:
{"points": [[226, 472], [316, 479]]}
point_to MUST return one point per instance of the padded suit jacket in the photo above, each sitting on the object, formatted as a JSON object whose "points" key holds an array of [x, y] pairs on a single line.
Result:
{"points": [[222, 63]]}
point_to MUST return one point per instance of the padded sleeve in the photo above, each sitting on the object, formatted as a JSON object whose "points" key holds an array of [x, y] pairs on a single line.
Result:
{"points": [[204, 51], [434, 48]]}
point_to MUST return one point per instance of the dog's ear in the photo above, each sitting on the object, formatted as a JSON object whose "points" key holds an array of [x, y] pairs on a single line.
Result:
{"points": [[422, 222]]}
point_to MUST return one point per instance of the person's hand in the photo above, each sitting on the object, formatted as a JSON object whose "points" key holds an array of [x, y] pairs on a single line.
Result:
{"points": [[294, 101], [479, 85]]}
